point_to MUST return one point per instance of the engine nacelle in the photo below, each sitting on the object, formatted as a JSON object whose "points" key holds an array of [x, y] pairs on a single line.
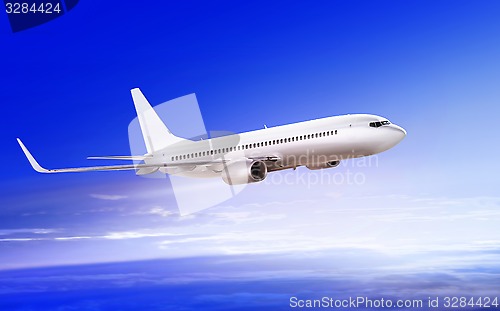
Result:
{"points": [[321, 166], [244, 172]]}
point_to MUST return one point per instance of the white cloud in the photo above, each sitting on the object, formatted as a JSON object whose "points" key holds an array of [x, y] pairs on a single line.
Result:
{"points": [[119, 235], [68, 238], [112, 197], [27, 230], [157, 210], [135, 235]]}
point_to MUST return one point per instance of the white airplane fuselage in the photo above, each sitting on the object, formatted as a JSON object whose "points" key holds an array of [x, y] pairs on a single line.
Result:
{"points": [[311, 143]]}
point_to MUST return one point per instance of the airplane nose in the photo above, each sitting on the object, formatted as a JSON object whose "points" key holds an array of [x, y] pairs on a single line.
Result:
{"points": [[398, 133], [383, 138], [402, 130], [391, 135]]}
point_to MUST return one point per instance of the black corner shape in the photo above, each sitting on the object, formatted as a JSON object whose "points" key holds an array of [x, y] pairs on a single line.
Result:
{"points": [[25, 14]]}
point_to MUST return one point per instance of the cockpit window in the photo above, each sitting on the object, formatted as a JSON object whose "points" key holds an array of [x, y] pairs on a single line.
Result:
{"points": [[379, 124]]}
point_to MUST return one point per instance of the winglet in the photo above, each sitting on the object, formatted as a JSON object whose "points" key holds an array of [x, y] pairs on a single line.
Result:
{"points": [[31, 159]]}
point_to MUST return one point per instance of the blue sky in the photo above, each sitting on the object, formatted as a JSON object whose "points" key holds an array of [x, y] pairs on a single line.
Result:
{"points": [[427, 208]]}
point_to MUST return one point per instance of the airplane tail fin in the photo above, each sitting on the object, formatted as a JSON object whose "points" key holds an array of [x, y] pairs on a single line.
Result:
{"points": [[156, 135]]}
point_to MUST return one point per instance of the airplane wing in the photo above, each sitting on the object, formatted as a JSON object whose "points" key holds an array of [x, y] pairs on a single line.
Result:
{"points": [[37, 167]]}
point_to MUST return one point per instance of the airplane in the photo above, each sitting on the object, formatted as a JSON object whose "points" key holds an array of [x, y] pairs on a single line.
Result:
{"points": [[248, 157]]}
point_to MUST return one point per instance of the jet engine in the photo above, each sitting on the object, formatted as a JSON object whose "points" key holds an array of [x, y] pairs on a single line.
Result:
{"points": [[321, 166], [244, 172]]}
